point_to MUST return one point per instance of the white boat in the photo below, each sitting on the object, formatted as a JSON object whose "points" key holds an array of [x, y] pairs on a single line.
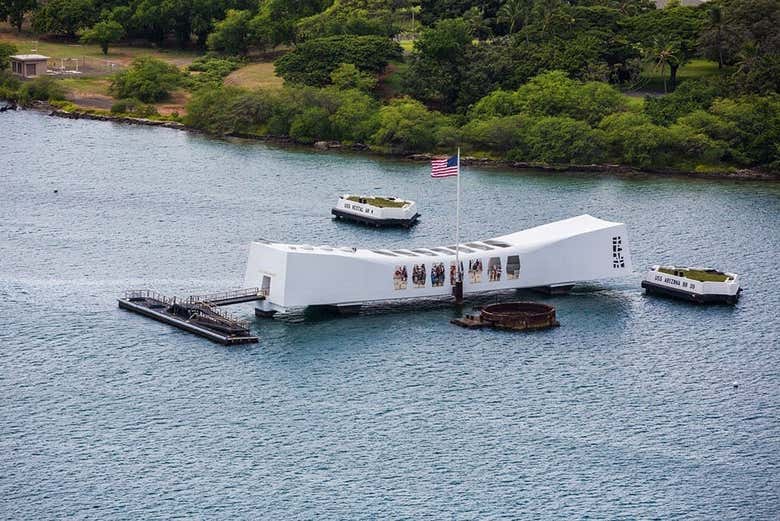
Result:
{"points": [[702, 285], [376, 210], [558, 254]]}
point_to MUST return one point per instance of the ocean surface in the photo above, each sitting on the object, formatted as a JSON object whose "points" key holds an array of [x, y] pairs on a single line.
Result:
{"points": [[635, 408]]}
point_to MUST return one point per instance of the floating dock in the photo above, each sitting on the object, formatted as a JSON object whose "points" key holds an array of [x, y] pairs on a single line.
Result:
{"points": [[515, 316], [197, 314]]}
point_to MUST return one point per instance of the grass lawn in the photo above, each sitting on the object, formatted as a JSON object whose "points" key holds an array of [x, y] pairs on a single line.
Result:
{"points": [[653, 80], [700, 275], [407, 45], [380, 202], [255, 75], [90, 55], [87, 84], [89, 89]]}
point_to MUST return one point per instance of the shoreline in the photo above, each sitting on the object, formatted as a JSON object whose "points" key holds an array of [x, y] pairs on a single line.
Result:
{"points": [[746, 174]]}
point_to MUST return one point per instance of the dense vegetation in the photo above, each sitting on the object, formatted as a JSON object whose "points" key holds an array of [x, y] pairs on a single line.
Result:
{"points": [[528, 80]]}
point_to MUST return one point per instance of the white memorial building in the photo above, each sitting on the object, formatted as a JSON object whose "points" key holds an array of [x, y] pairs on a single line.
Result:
{"points": [[561, 253]]}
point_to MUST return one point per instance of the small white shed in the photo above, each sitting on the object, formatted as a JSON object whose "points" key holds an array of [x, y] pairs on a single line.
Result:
{"points": [[29, 65]]}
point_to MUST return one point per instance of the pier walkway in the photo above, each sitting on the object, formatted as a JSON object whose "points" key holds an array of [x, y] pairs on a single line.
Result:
{"points": [[228, 298], [197, 314]]}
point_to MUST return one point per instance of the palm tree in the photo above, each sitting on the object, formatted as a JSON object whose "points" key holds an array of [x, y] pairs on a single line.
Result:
{"points": [[715, 27], [546, 11], [515, 12], [663, 56], [747, 58]]}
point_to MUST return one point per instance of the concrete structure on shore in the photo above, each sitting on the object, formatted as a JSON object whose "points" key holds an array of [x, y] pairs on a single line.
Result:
{"points": [[552, 255], [29, 65]]}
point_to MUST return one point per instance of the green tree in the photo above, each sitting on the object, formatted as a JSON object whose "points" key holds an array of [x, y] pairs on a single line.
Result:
{"points": [[515, 13], [666, 55], [669, 36], [546, 11], [231, 35], [756, 73], [360, 17], [147, 79], [103, 33], [150, 19], [435, 10], [313, 61], [438, 62], [275, 21], [65, 17], [14, 11], [6, 50], [712, 39]]}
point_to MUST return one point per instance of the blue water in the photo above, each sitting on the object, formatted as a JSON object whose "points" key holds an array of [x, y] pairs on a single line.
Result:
{"points": [[627, 411]]}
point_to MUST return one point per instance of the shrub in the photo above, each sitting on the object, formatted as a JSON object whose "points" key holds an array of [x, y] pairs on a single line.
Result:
{"points": [[134, 107], [498, 134], [565, 140], [633, 139], [757, 123], [355, 119], [147, 79], [9, 80], [211, 110], [710, 124], [689, 96], [210, 62], [690, 144], [555, 94], [211, 71], [42, 88], [347, 76], [497, 103], [310, 125], [406, 125], [6, 50]]}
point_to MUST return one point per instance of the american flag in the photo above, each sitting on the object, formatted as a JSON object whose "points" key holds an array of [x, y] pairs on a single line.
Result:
{"points": [[444, 166]]}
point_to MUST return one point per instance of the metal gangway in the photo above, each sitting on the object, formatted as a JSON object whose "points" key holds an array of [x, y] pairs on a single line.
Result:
{"points": [[227, 298]]}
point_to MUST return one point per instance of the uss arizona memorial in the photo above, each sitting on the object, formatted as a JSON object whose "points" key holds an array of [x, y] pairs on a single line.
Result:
{"points": [[578, 249]]}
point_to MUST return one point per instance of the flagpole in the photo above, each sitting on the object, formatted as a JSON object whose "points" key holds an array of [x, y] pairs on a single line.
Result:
{"points": [[459, 281], [457, 220]]}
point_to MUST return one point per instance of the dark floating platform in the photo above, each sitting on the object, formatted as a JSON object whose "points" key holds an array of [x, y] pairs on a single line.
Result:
{"points": [[196, 314], [376, 222], [514, 316]]}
